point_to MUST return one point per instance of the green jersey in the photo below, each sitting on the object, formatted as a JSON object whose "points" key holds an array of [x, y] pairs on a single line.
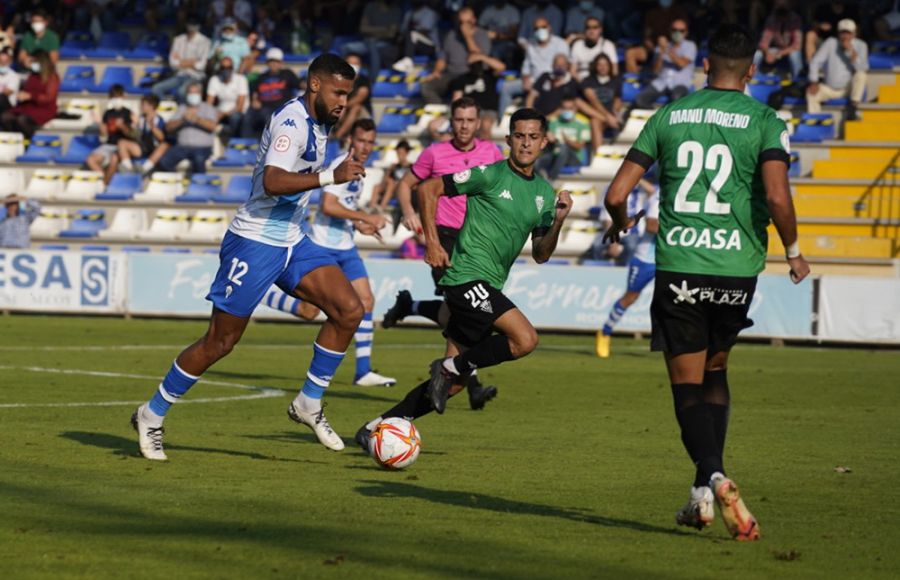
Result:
{"points": [[502, 209], [713, 214]]}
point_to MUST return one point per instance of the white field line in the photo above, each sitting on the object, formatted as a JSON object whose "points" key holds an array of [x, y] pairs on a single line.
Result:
{"points": [[388, 346]]}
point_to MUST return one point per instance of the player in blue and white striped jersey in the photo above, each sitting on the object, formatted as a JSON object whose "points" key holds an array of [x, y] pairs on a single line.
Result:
{"points": [[264, 245], [642, 265], [333, 228]]}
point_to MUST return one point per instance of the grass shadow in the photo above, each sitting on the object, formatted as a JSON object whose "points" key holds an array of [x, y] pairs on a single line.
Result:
{"points": [[125, 447], [247, 376], [390, 489]]}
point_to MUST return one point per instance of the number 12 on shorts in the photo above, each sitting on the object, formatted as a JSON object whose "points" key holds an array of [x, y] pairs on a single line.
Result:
{"points": [[238, 270]]}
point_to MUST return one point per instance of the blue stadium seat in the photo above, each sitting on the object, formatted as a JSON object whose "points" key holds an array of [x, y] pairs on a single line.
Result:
{"points": [[814, 128], [239, 153], [43, 148], [112, 44], [238, 190], [794, 169], [79, 148], [123, 75], [884, 55], [76, 44], [86, 224], [390, 84], [631, 86], [301, 58], [762, 86], [122, 187], [397, 119], [152, 45], [152, 75], [201, 189], [79, 78]]}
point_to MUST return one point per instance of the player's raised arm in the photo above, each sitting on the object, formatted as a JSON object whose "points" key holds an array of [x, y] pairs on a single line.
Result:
{"points": [[781, 208], [279, 181], [429, 193], [628, 176], [544, 240]]}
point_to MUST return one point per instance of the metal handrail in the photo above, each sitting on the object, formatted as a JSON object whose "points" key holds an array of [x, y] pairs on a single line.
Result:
{"points": [[881, 203]]}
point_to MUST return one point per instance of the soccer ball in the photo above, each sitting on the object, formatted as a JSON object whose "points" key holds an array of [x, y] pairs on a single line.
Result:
{"points": [[394, 443]]}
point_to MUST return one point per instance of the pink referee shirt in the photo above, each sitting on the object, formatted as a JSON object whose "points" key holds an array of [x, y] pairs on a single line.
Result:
{"points": [[444, 158]]}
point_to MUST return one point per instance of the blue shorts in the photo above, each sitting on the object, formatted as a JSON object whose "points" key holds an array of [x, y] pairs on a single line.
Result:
{"points": [[349, 261], [639, 275], [247, 269]]}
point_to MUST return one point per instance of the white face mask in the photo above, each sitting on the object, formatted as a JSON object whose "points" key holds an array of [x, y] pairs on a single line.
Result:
{"points": [[355, 68], [38, 27], [35, 67], [116, 103], [603, 78], [542, 34], [193, 99], [4, 69]]}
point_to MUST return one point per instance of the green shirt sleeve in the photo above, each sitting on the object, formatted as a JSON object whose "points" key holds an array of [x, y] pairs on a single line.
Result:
{"points": [[647, 142], [775, 143], [467, 182]]}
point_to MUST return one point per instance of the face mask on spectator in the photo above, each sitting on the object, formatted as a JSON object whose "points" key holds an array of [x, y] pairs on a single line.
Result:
{"points": [[542, 34], [603, 78], [193, 28], [567, 115], [116, 103], [4, 69], [38, 27], [559, 72], [677, 36], [355, 68], [193, 99], [227, 36], [35, 67], [225, 73]]}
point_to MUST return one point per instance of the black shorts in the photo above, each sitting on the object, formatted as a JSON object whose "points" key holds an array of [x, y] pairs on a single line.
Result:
{"points": [[695, 312], [474, 306], [447, 237]]}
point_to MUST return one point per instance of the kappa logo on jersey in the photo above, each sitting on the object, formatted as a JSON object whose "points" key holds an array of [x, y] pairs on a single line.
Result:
{"points": [[684, 294], [539, 202], [506, 195], [289, 123], [462, 176], [483, 168]]}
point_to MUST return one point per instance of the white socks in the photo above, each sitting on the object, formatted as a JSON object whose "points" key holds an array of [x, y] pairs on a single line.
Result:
{"points": [[307, 404], [150, 417], [448, 364], [127, 165], [147, 166]]}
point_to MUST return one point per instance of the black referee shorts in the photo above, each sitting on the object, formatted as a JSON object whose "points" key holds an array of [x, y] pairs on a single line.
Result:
{"points": [[695, 312]]}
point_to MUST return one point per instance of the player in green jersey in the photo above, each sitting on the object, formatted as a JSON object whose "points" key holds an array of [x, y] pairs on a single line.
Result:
{"points": [[723, 160], [507, 202]]}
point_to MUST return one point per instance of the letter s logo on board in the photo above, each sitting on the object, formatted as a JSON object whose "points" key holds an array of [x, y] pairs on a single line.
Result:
{"points": [[94, 280]]}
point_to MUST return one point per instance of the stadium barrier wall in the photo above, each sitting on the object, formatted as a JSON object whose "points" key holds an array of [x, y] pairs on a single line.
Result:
{"points": [[553, 297]]}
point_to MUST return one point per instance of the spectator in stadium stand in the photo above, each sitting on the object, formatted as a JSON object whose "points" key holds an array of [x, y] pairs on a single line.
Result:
{"points": [[568, 138], [187, 58], [229, 92], [602, 89], [577, 16], [420, 33], [238, 11], [380, 28], [7, 36], [15, 225], [9, 81], [501, 21], [39, 38], [383, 193], [845, 60], [463, 41], [36, 104], [117, 123], [551, 88], [229, 44], [539, 54], [194, 125], [271, 89], [149, 139], [673, 66], [825, 19], [782, 39], [887, 26], [480, 84], [545, 9], [359, 101], [656, 25], [589, 45]]}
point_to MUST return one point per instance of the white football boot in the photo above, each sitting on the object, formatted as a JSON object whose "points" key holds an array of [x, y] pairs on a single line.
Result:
{"points": [[699, 511], [319, 424], [373, 379], [149, 436]]}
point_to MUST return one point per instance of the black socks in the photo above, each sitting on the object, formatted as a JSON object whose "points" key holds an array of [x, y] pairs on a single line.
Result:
{"points": [[487, 353], [698, 430], [429, 309]]}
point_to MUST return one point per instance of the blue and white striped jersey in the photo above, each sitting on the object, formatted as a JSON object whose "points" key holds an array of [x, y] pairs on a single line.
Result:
{"points": [[295, 142], [332, 232]]}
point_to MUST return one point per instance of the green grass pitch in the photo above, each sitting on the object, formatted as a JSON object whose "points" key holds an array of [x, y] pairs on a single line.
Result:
{"points": [[575, 470]]}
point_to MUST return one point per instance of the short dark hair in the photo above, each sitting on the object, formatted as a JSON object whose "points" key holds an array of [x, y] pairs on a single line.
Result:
{"points": [[731, 42], [528, 114], [365, 125], [151, 98], [356, 54], [116, 89], [331, 64], [403, 144], [464, 103], [594, 18]]}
